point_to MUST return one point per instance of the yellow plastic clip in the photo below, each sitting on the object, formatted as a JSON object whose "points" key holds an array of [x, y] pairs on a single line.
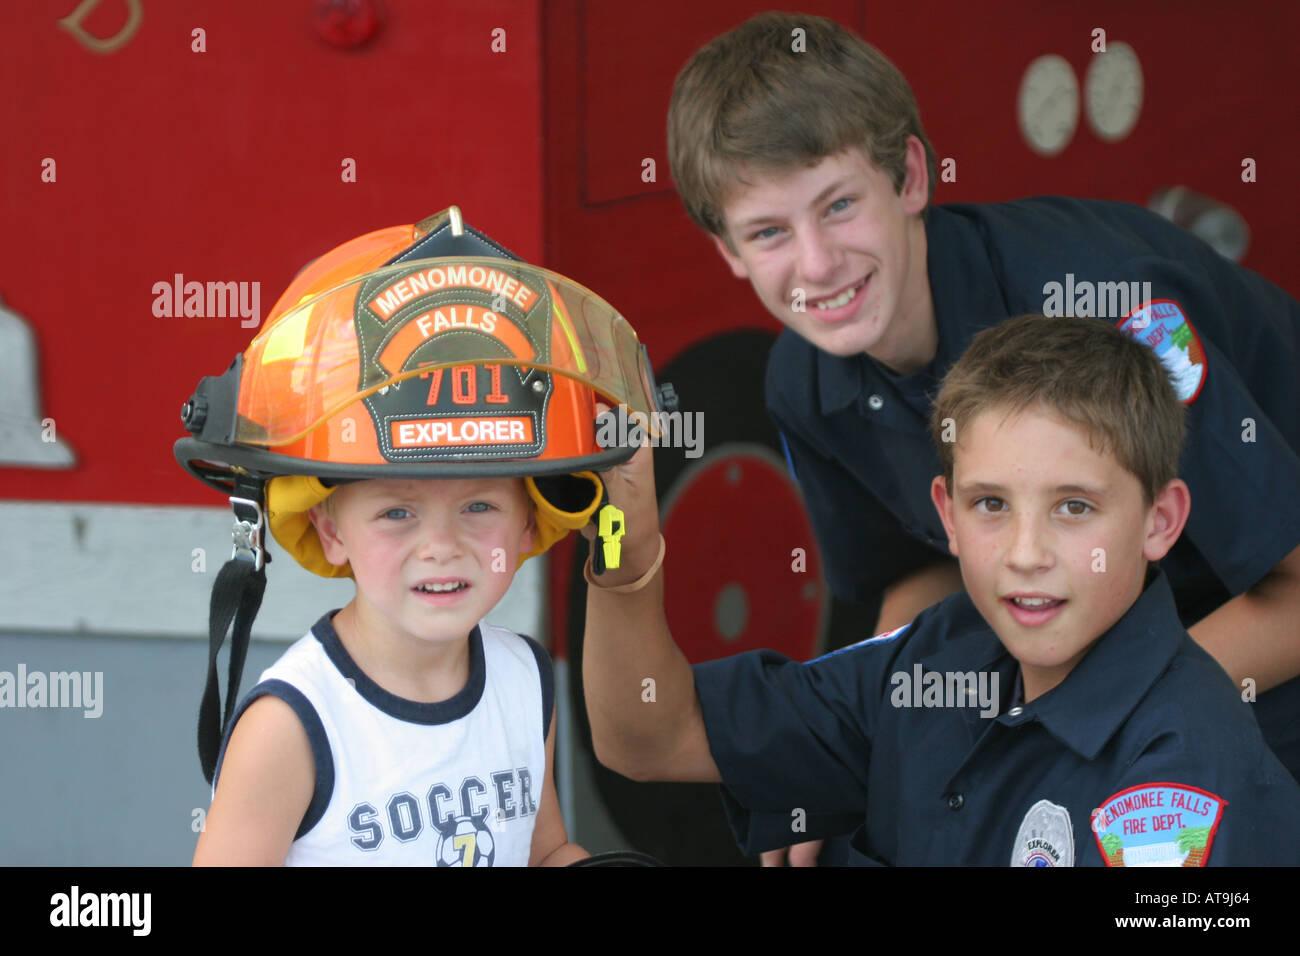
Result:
{"points": [[611, 528]]}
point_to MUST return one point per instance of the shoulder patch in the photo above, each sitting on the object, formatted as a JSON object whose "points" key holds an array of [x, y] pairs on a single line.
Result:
{"points": [[1045, 837], [1157, 824], [1162, 324], [886, 635], [884, 638]]}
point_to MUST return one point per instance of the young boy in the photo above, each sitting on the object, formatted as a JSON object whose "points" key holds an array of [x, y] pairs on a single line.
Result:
{"points": [[392, 423], [811, 172], [321, 764], [1055, 713]]}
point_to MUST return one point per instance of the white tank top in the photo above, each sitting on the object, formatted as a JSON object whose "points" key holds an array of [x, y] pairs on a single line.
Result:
{"points": [[401, 783]]}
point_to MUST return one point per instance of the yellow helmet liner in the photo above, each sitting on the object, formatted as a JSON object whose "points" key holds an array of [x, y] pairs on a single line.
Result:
{"points": [[561, 503]]}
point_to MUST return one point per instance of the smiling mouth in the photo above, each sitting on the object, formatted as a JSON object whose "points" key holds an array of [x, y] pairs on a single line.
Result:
{"points": [[1035, 603], [454, 587], [1033, 611], [844, 298]]}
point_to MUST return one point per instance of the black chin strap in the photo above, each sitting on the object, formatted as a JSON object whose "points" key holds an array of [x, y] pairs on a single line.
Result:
{"points": [[236, 597]]}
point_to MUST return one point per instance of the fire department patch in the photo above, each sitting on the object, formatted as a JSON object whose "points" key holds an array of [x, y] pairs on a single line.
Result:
{"points": [[1162, 324], [1045, 838], [1157, 824]]}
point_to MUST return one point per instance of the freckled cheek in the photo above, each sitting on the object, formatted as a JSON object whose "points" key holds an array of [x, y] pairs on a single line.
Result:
{"points": [[1088, 557], [484, 541], [979, 555], [775, 282], [381, 562], [977, 546]]}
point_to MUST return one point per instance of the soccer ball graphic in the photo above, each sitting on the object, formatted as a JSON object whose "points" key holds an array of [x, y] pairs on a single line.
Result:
{"points": [[469, 843]]}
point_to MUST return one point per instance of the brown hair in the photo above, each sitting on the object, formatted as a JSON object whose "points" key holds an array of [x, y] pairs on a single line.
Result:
{"points": [[1084, 370], [748, 99]]}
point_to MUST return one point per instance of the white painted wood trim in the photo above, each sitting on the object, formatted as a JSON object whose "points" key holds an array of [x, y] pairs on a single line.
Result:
{"points": [[138, 571]]}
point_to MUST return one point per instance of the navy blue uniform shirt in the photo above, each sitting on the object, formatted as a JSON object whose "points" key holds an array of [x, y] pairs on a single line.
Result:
{"points": [[1145, 748], [860, 449]]}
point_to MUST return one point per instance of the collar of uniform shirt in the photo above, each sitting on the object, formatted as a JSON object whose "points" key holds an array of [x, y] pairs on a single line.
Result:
{"points": [[1091, 704], [839, 381], [1088, 708], [964, 292]]}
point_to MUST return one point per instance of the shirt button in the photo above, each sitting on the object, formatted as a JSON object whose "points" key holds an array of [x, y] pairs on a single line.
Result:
{"points": [[956, 801], [876, 403], [1015, 711]]}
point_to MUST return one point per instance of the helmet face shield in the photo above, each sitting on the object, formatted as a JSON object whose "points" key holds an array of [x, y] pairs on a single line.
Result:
{"points": [[439, 359]]}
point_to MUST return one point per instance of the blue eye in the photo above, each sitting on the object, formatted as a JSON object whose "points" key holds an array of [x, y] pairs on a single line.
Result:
{"points": [[762, 234], [841, 204], [478, 507], [397, 514]]}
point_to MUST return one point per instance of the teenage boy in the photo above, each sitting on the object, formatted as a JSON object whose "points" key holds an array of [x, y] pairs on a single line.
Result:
{"points": [[1108, 736], [813, 176]]}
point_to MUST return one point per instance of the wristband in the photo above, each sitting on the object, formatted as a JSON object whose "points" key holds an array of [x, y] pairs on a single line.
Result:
{"points": [[631, 586]]}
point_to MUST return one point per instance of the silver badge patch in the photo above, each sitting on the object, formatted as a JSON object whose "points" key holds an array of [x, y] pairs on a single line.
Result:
{"points": [[1046, 837]]}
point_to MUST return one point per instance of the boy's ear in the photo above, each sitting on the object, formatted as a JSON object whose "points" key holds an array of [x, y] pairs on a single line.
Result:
{"points": [[327, 530], [916, 187], [943, 504], [733, 261], [529, 539], [1166, 519]]}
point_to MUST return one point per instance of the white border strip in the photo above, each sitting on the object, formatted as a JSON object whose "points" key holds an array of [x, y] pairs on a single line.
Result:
{"points": [[148, 571]]}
